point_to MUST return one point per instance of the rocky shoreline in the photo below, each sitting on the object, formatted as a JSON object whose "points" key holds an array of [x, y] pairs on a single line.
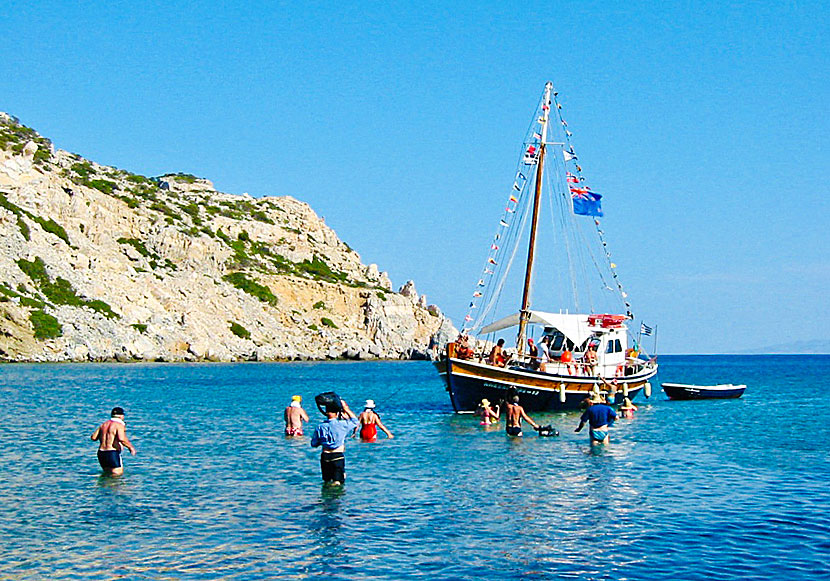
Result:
{"points": [[100, 264]]}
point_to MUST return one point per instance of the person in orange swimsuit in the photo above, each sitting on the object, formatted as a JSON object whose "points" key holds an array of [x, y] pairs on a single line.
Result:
{"points": [[370, 422]]}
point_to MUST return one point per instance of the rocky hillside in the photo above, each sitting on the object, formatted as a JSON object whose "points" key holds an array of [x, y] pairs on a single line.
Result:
{"points": [[99, 263]]}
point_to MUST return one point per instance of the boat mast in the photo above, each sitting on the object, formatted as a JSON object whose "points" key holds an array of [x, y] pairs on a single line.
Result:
{"points": [[524, 314]]}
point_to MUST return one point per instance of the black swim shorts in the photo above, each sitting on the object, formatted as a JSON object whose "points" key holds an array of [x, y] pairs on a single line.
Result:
{"points": [[109, 459], [333, 466], [514, 430]]}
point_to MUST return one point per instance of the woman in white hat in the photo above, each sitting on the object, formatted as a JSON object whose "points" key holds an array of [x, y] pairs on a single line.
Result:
{"points": [[370, 422]]}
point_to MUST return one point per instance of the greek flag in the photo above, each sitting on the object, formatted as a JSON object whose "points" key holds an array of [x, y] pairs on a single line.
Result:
{"points": [[645, 329]]}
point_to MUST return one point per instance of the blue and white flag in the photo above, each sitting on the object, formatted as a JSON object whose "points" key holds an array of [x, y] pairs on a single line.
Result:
{"points": [[645, 329], [586, 202]]}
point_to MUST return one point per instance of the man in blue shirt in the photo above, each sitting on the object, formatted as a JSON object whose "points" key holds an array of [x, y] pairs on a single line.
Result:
{"points": [[600, 417], [331, 435]]}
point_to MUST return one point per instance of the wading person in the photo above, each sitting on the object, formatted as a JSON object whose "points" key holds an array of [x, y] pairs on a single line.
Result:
{"points": [[600, 417], [331, 435], [370, 422], [294, 416], [515, 415], [489, 415], [111, 436]]}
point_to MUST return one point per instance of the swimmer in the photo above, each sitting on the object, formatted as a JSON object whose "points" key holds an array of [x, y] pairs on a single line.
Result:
{"points": [[370, 422], [600, 417], [111, 435], [294, 416], [515, 415]]}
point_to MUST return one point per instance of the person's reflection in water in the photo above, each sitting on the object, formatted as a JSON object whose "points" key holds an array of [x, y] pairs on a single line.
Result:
{"points": [[325, 529]]}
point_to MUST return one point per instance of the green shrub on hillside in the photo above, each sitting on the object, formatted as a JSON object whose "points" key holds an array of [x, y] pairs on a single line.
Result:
{"points": [[319, 269], [328, 323], [45, 325], [83, 169], [52, 227], [104, 186], [138, 245], [239, 330], [14, 136], [253, 288], [61, 291], [187, 178], [167, 211], [140, 327]]}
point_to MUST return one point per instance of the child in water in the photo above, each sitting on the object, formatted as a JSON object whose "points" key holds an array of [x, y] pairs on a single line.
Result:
{"points": [[627, 408]]}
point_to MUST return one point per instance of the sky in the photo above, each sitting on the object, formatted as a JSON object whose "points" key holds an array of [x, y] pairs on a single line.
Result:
{"points": [[704, 124]]}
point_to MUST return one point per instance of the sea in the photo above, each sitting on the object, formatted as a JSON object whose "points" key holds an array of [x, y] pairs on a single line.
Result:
{"points": [[719, 489]]}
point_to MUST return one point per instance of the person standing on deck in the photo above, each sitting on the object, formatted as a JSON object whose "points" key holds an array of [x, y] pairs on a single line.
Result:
{"points": [[533, 354], [331, 435], [111, 436], [600, 417], [294, 416], [515, 415]]}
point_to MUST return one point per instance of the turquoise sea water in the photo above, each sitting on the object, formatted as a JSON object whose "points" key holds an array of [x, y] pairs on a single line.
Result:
{"points": [[732, 489]]}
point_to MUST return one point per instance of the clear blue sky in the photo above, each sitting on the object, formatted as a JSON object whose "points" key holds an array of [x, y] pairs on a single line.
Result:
{"points": [[705, 125]]}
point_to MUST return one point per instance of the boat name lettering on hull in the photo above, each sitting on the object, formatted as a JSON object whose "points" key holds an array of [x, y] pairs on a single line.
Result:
{"points": [[518, 389]]}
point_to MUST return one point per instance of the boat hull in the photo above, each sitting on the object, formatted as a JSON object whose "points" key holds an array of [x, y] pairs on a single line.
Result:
{"points": [[683, 391], [468, 382]]}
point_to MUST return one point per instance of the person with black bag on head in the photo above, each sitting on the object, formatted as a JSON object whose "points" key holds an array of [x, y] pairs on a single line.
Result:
{"points": [[331, 435]]}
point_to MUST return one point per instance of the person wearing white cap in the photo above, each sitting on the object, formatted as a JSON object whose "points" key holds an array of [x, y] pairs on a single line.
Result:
{"points": [[370, 422], [294, 416]]}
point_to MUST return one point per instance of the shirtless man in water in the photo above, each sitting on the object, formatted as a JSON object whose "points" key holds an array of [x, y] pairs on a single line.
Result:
{"points": [[294, 416], [111, 435], [515, 415]]}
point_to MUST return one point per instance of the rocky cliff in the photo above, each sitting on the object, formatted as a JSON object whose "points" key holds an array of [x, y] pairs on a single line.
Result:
{"points": [[99, 263]]}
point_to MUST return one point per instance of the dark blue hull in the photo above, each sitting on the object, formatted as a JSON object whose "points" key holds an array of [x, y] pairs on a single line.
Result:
{"points": [[468, 383]]}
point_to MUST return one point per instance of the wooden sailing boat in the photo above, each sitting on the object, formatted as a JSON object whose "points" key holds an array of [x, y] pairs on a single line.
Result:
{"points": [[576, 355]]}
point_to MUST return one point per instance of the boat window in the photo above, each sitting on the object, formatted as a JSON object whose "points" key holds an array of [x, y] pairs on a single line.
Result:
{"points": [[558, 342], [613, 346]]}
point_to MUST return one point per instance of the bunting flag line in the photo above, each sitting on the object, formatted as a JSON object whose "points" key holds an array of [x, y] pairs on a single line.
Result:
{"points": [[572, 179], [491, 260], [503, 223], [514, 199], [568, 155], [493, 247]]}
